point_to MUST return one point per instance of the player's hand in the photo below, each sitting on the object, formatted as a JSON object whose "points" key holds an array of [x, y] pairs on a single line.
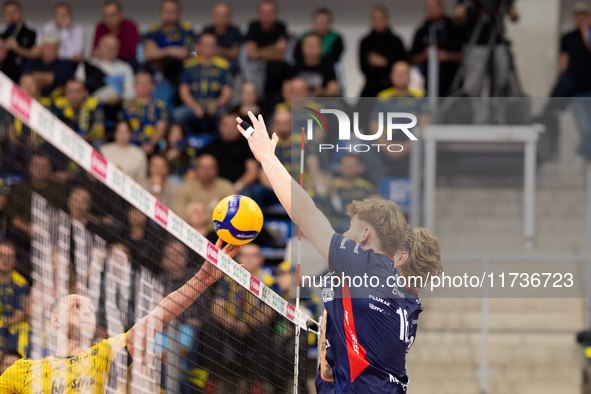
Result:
{"points": [[260, 144], [210, 273]]}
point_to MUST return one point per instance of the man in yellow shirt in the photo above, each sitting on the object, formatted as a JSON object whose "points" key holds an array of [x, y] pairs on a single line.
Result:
{"points": [[78, 368]]}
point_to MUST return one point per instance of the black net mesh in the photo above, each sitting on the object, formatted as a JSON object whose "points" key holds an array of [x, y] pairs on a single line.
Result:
{"points": [[80, 227]]}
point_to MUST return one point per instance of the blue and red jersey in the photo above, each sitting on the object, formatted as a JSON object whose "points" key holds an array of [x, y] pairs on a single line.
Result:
{"points": [[370, 327]]}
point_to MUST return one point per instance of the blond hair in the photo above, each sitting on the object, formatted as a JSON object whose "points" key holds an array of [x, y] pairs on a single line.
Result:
{"points": [[387, 220], [424, 255]]}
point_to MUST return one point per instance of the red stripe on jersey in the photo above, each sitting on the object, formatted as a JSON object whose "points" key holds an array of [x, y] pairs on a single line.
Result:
{"points": [[356, 353]]}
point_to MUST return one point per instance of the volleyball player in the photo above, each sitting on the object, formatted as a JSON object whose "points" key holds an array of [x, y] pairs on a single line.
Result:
{"points": [[368, 330], [76, 368]]}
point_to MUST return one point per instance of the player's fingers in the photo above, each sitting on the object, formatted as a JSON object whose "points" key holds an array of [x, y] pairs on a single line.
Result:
{"points": [[252, 118], [219, 243], [274, 140], [240, 129]]}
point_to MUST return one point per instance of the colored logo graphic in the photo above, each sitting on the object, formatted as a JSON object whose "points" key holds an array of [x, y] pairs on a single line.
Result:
{"points": [[317, 117]]}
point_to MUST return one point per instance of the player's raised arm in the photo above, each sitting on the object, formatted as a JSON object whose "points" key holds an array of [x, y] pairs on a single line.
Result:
{"points": [[176, 302], [298, 204]]}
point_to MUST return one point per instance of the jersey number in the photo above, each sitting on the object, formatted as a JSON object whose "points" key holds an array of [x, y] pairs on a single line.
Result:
{"points": [[404, 328]]}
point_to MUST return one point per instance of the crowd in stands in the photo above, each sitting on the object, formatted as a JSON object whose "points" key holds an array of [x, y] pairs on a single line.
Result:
{"points": [[162, 105]]}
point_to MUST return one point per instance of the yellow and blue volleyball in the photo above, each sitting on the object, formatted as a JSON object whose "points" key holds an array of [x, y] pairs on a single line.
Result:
{"points": [[237, 219]]}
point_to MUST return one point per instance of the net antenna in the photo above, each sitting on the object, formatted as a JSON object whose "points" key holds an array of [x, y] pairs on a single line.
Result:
{"points": [[298, 262]]}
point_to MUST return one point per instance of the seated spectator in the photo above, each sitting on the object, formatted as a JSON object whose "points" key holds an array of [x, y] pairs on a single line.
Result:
{"points": [[332, 43], [349, 185], [450, 41], [144, 241], [169, 43], [4, 65], [51, 72], [159, 183], [40, 182], [229, 37], [8, 358], [235, 160], [22, 141], [208, 188], [378, 51], [80, 112], [20, 39], [109, 79], [198, 218], [72, 36], [131, 159], [205, 88], [295, 87], [284, 276], [178, 152], [125, 30], [248, 101], [266, 40], [319, 75], [400, 79], [14, 294], [243, 317], [146, 115]]}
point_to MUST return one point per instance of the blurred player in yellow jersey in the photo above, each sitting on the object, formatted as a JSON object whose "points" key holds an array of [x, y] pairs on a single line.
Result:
{"points": [[76, 368]]}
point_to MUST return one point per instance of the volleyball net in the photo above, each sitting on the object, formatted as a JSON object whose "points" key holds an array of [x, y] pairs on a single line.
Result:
{"points": [[80, 224]]}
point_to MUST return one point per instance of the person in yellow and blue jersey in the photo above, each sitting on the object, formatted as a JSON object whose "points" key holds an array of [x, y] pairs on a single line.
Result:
{"points": [[169, 43], [79, 367], [14, 293], [205, 88], [146, 115], [80, 112]]}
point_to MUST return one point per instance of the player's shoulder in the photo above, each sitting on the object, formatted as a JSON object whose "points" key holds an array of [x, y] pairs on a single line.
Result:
{"points": [[187, 26], [91, 103], [19, 280], [192, 62], [221, 63]]}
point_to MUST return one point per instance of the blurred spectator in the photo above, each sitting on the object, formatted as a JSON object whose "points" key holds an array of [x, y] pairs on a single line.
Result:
{"points": [[242, 317], [144, 241], [198, 218], [40, 182], [109, 79], [169, 43], [159, 183], [400, 80], [449, 41], [205, 89], [20, 39], [146, 115], [51, 72], [178, 152], [14, 294], [284, 276], [80, 112], [229, 37], [295, 87], [332, 43], [236, 161], [208, 188], [249, 101], [72, 36], [349, 185], [115, 23], [485, 18], [575, 79], [22, 141], [399, 98], [266, 40], [318, 73], [127, 157], [5, 66], [8, 358], [378, 51]]}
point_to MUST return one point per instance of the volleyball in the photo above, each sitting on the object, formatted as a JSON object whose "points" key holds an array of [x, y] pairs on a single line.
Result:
{"points": [[237, 219]]}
